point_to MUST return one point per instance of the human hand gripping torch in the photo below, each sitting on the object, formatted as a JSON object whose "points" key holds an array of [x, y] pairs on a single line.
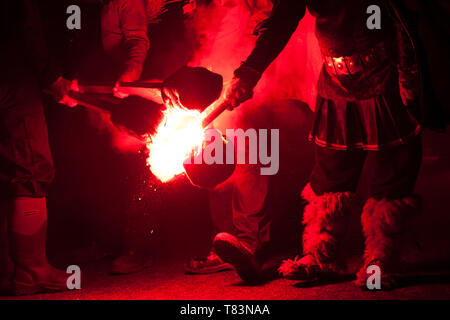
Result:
{"points": [[178, 145], [209, 176], [181, 141], [171, 131], [197, 88]]}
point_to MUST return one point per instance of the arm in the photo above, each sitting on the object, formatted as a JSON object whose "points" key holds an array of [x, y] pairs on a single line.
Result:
{"points": [[274, 34], [133, 24]]}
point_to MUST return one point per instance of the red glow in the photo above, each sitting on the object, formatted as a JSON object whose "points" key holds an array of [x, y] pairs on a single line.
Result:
{"points": [[228, 41]]}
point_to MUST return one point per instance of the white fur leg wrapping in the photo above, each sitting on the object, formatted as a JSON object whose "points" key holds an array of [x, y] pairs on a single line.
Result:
{"points": [[325, 220], [383, 222]]}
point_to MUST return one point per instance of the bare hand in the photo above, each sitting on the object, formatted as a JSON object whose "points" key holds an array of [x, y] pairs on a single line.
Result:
{"points": [[171, 97], [130, 75], [60, 89]]}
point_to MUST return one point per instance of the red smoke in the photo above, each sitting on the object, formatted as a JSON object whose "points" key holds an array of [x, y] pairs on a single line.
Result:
{"points": [[225, 31]]}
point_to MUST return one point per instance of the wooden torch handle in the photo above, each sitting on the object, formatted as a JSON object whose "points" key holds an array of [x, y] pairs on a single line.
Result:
{"points": [[210, 117]]}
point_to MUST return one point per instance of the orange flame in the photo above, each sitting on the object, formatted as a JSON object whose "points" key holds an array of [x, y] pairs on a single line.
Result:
{"points": [[177, 136]]}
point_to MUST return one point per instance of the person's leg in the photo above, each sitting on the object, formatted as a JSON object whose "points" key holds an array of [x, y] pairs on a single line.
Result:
{"points": [[220, 208], [26, 172], [248, 196], [330, 197], [390, 207], [250, 221]]}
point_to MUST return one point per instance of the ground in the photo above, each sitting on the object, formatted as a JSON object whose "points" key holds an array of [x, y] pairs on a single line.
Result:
{"points": [[167, 281]]}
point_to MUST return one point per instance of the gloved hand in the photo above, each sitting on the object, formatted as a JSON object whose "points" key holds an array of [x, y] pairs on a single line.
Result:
{"points": [[60, 89], [242, 85]]}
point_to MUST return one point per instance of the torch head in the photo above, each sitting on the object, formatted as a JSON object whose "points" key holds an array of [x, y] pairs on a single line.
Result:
{"points": [[197, 87]]}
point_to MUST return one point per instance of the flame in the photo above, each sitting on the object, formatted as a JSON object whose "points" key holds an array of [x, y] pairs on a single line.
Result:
{"points": [[177, 136]]}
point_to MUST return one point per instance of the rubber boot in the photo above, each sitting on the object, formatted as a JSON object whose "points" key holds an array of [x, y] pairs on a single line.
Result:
{"points": [[28, 233], [384, 221], [325, 220]]}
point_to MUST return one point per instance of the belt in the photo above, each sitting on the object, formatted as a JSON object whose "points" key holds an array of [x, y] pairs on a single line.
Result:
{"points": [[358, 62]]}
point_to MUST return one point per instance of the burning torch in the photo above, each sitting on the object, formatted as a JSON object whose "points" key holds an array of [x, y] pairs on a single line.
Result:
{"points": [[171, 131]]}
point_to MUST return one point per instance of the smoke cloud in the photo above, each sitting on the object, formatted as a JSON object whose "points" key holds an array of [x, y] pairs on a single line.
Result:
{"points": [[225, 33]]}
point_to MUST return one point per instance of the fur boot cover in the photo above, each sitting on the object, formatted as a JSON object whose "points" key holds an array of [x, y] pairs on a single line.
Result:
{"points": [[383, 223], [325, 220]]}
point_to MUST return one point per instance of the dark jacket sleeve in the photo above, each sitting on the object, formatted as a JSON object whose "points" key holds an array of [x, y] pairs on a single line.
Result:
{"points": [[275, 32]]}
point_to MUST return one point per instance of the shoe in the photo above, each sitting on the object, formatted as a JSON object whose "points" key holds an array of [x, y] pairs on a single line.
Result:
{"points": [[210, 264], [130, 263], [235, 252]]}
